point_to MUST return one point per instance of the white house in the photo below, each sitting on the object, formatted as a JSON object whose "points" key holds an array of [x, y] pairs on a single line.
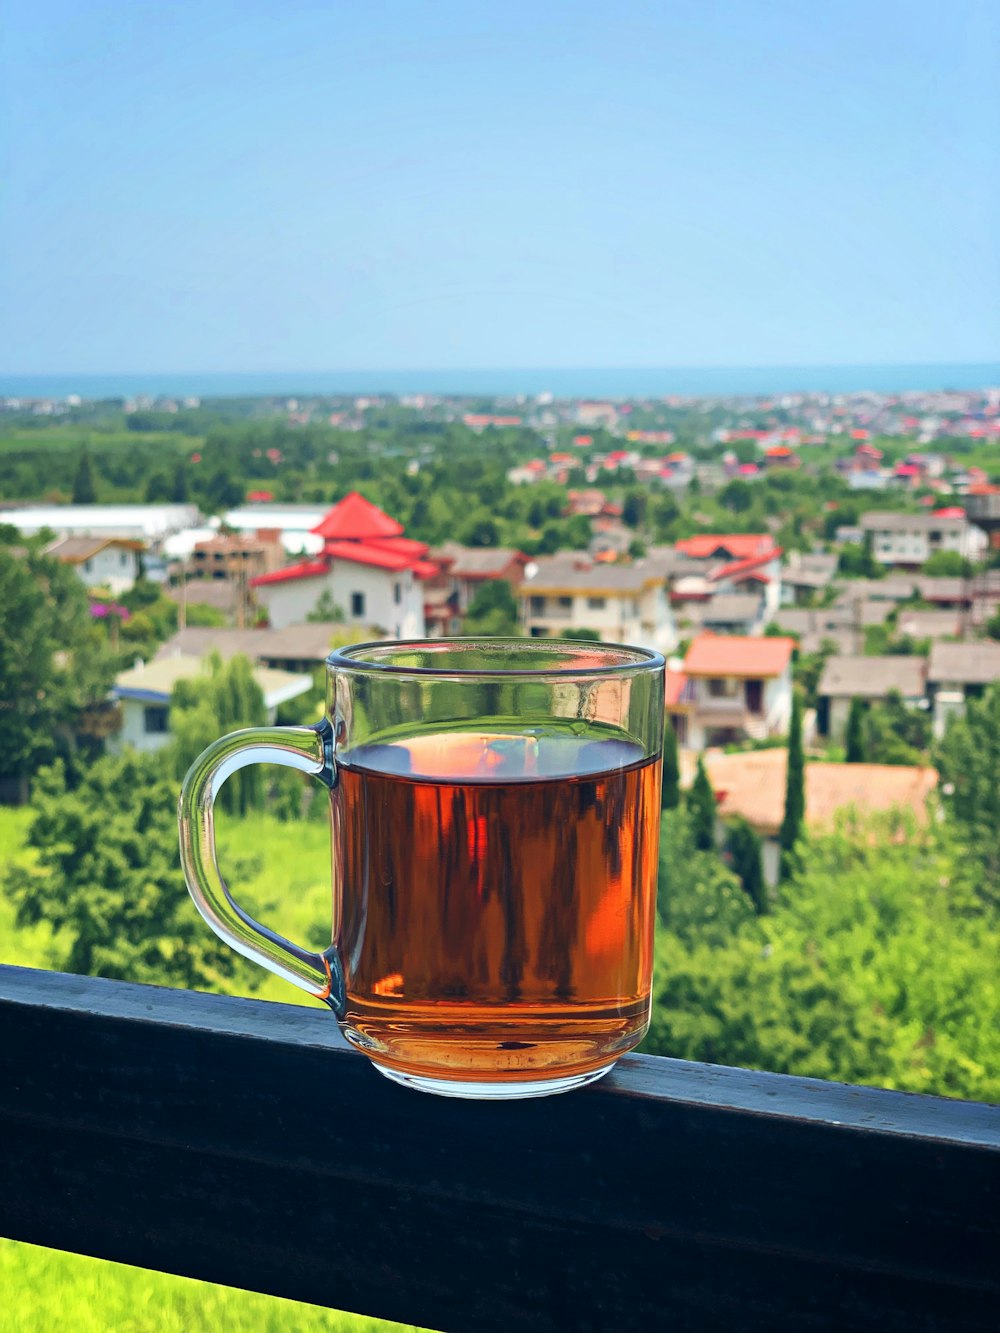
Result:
{"points": [[868, 678], [143, 693], [296, 524], [910, 539], [623, 603], [731, 688], [367, 569], [738, 562], [957, 672], [101, 562]]}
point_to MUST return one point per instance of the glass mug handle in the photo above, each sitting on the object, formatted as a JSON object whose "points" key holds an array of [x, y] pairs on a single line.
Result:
{"points": [[308, 749]]}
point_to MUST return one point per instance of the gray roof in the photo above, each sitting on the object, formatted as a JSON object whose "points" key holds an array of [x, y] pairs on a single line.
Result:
{"points": [[556, 573], [731, 606], [807, 620], [896, 589], [872, 677], [77, 549], [929, 624], [964, 663], [470, 562], [941, 589], [309, 642], [888, 521]]}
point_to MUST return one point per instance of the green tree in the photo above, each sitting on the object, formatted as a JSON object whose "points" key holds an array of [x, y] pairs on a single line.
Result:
{"points": [[701, 807], [493, 610], [583, 634], [104, 876], [670, 792], [746, 858], [84, 492], [55, 663], [179, 489], [854, 735], [326, 610], [968, 759], [224, 698], [795, 791], [480, 530], [947, 564]]}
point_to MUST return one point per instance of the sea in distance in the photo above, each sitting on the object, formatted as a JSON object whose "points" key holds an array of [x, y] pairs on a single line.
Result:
{"points": [[644, 382]]}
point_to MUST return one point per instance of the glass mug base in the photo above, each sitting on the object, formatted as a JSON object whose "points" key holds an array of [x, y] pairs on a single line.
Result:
{"points": [[493, 1092]]}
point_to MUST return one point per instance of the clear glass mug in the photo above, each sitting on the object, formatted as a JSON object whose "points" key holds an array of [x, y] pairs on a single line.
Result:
{"points": [[495, 825]]}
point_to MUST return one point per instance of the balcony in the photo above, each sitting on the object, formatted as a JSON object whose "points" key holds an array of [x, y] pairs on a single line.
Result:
{"points": [[244, 1143]]}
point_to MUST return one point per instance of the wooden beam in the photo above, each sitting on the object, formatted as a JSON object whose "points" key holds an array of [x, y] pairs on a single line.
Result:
{"points": [[244, 1143]]}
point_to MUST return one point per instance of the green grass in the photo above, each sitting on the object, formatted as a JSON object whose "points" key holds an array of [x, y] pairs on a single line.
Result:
{"points": [[43, 1289], [47, 1289]]}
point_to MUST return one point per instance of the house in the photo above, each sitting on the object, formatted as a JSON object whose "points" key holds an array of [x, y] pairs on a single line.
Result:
{"points": [[733, 688], [295, 524], [751, 786], [725, 613], [815, 627], [296, 648], [805, 576], [143, 693], [907, 540], [237, 556], [957, 672], [461, 572], [623, 603], [920, 624], [738, 562], [868, 678], [101, 562], [366, 568]]}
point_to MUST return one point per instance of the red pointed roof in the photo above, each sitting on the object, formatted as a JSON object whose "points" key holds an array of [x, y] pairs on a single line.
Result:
{"points": [[356, 519]]}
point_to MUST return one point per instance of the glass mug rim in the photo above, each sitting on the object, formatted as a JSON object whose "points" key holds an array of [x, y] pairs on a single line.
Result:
{"points": [[622, 659]]}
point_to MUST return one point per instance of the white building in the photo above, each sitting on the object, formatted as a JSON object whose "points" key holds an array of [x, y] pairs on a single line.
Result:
{"points": [[957, 672], [369, 571], [143, 693], [870, 679], [100, 562], [910, 539], [623, 603], [297, 524], [145, 523], [730, 689]]}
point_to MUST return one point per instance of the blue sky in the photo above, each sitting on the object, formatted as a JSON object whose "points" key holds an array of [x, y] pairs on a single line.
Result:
{"points": [[254, 186]]}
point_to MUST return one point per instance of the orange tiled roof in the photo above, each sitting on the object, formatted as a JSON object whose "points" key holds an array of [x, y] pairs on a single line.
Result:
{"points": [[738, 655]]}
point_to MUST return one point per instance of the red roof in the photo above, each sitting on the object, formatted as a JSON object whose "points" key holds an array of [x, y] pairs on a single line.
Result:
{"points": [[675, 682], [738, 655], [738, 545], [778, 451], [305, 569], [752, 562], [907, 470], [356, 519], [950, 511]]}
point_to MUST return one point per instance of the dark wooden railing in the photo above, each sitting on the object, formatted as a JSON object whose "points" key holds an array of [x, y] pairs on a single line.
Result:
{"points": [[242, 1142]]}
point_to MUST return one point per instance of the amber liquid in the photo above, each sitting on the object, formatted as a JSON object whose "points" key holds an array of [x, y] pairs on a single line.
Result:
{"points": [[494, 902]]}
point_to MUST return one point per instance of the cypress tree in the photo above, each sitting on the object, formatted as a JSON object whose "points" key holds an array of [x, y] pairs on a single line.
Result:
{"points": [[746, 853], [83, 483], [795, 791], [854, 736], [701, 808], [670, 792]]}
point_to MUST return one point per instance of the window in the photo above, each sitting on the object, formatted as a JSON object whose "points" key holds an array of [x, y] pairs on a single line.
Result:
{"points": [[722, 688], [565, 603], [357, 603], [596, 603], [88, 566], [397, 594], [123, 558], [154, 721], [537, 606]]}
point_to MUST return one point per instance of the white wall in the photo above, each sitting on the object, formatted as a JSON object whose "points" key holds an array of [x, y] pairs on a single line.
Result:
{"points": [[133, 732], [112, 568], [914, 546], [645, 620], [291, 602]]}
